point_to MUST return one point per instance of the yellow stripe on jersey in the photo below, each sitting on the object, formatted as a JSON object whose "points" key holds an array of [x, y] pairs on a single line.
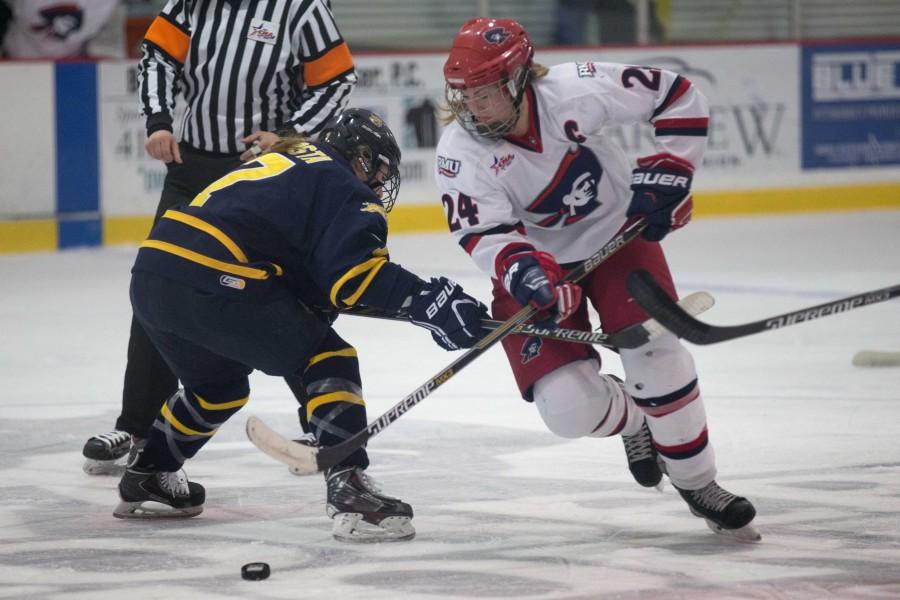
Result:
{"points": [[372, 266], [205, 227], [346, 352], [221, 405], [341, 396], [212, 263], [168, 416], [169, 37]]}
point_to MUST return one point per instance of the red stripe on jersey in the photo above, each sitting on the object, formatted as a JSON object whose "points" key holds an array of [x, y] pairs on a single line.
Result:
{"points": [[471, 242], [674, 96], [677, 123]]}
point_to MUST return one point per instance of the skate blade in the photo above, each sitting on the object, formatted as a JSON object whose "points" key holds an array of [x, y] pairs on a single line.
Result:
{"points": [[350, 527], [148, 509], [103, 467], [747, 533]]}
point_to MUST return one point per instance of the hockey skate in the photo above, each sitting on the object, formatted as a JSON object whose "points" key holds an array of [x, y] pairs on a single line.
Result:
{"points": [[724, 512], [643, 460], [102, 453], [168, 495], [361, 513]]}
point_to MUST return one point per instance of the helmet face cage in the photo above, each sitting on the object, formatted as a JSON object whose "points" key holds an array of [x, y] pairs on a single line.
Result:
{"points": [[512, 92], [363, 138]]}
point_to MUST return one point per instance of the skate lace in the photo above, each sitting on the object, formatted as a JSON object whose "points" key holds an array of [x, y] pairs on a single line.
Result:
{"points": [[115, 438], [175, 483], [713, 497], [638, 446]]}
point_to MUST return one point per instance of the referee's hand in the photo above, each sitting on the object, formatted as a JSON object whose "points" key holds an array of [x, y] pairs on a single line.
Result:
{"points": [[161, 145], [259, 142]]}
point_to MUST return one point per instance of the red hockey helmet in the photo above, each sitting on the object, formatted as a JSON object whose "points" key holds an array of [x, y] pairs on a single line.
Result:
{"points": [[488, 50]]}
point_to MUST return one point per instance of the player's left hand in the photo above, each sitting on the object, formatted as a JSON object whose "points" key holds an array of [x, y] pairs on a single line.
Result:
{"points": [[259, 142], [662, 194], [452, 316]]}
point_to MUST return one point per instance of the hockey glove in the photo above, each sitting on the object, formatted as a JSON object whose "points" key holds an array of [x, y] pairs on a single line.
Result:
{"points": [[533, 278], [662, 194], [452, 316]]}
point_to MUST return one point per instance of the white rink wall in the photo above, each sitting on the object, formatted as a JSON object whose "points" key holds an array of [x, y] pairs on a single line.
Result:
{"points": [[794, 128]]}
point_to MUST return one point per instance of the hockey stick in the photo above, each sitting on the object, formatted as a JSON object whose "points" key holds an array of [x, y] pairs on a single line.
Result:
{"points": [[305, 460], [631, 337], [662, 308]]}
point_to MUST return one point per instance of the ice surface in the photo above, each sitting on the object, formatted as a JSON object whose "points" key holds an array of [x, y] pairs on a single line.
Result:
{"points": [[503, 508]]}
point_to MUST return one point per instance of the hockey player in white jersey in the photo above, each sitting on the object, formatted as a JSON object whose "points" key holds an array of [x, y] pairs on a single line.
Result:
{"points": [[531, 186]]}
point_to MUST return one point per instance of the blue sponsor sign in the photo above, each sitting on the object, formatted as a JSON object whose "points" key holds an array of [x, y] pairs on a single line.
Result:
{"points": [[851, 105]]}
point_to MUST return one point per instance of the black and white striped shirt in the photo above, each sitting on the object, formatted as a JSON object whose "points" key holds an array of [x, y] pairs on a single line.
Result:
{"points": [[243, 66]]}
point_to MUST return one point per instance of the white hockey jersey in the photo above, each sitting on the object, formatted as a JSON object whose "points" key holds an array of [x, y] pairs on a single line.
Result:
{"points": [[564, 187], [54, 29]]}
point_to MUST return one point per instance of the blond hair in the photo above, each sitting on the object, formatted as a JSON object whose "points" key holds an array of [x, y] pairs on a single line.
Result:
{"points": [[288, 143]]}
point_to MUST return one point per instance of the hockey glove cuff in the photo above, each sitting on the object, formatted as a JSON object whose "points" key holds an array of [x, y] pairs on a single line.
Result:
{"points": [[452, 316], [533, 278], [661, 186]]}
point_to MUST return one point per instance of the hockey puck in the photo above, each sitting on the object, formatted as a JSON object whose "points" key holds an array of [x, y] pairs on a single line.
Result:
{"points": [[255, 571]]}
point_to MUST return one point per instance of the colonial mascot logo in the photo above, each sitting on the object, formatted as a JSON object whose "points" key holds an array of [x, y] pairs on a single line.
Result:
{"points": [[496, 35]]}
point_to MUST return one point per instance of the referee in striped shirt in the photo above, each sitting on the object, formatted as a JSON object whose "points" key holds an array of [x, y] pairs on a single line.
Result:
{"points": [[247, 69]]}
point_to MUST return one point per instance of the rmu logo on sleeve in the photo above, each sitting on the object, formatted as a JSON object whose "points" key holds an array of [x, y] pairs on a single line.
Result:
{"points": [[572, 192], [586, 69], [496, 35], [448, 167]]}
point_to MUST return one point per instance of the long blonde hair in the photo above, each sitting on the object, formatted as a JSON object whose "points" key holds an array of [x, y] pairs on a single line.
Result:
{"points": [[288, 142]]}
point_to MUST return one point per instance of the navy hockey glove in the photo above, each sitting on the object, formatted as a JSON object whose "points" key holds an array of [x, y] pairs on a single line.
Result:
{"points": [[533, 278], [662, 194], [452, 316]]}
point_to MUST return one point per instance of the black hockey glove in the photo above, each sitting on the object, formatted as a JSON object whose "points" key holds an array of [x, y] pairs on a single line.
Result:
{"points": [[452, 316], [662, 194]]}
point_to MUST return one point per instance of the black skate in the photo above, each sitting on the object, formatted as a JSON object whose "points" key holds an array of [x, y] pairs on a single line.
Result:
{"points": [[643, 460], [724, 512], [102, 453], [361, 513], [169, 494]]}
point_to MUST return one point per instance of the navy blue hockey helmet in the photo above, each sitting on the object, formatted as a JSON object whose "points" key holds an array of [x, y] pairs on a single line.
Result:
{"points": [[362, 136]]}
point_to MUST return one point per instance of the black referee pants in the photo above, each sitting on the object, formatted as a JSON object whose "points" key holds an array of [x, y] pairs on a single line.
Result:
{"points": [[149, 381]]}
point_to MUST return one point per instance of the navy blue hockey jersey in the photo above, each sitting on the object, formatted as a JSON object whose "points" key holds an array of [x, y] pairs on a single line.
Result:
{"points": [[296, 222]]}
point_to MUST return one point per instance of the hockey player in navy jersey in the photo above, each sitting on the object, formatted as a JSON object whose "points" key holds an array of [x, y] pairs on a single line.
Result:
{"points": [[250, 276], [531, 186]]}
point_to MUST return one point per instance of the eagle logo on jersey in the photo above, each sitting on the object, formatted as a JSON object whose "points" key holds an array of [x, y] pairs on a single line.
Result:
{"points": [[501, 163], [531, 349], [496, 35], [572, 192]]}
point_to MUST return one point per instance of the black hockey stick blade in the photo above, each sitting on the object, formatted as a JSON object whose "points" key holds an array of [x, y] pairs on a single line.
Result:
{"points": [[328, 456], [661, 307]]}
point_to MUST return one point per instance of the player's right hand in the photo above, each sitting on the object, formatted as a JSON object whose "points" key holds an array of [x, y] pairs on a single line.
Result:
{"points": [[161, 145], [534, 278], [452, 316]]}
